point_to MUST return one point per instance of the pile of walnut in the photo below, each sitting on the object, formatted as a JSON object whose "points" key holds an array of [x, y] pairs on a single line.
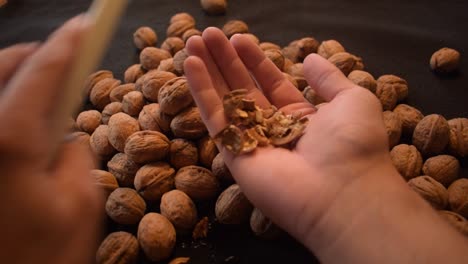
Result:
{"points": [[149, 133]]}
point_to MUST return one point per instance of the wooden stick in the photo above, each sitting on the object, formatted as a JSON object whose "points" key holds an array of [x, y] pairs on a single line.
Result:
{"points": [[104, 16]]}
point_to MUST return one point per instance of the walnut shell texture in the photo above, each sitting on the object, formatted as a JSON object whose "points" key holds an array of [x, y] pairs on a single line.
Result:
{"points": [[120, 91], [220, 170], [93, 79], [133, 73], [400, 85], [174, 96], [150, 57], [346, 62], [445, 60], [178, 27], [235, 27], [431, 135], [180, 210], [455, 220], [431, 190], [88, 121], [363, 79], [393, 125], [153, 82], [147, 146], [154, 179], [188, 124], [409, 116], [100, 93], [157, 236], [214, 7], [197, 182], [149, 117], [388, 97], [262, 226], [123, 169], [118, 248], [110, 110], [443, 168], [232, 207], [121, 126], [407, 160], [144, 37], [133, 102], [105, 181], [329, 48], [458, 196], [125, 206], [458, 139], [173, 45], [99, 142], [182, 153], [207, 151]]}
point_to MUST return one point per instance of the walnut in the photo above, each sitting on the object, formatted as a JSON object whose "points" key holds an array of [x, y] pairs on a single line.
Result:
{"points": [[120, 91], [100, 93], [201, 229], [407, 160], [445, 60], [312, 96], [180, 260], [393, 125], [346, 62], [232, 207], [145, 37], [409, 116], [291, 79], [190, 33], [458, 196], [306, 46], [220, 170], [118, 248], [121, 126], [88, 121], [400, 85], [147, 146], [182, 16], [458, 139], [125, 206], [149, 117], [431, 135], [443, 168], [363, 79], [252, 38], [82, 138], [262, 226], [276, 57], [188, 124], [182, 153], [431, 190], [291, 53], [105, 181], [455, 220], [173, 45], [132, 73], [197, 182], [154, 179], [388, 97], [235, 27], [174, 96], [93, 79], [157, 236], [123, 169], [178, 28], [150, 57], [207, 151], [167, 65], [329, 48], [153, 82], [268, 45], [214, 7], [133, 102], [180, 210], [179, 59], [99, 142], [110, 110]]}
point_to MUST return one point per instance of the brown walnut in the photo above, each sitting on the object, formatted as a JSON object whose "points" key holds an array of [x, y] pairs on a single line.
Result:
{"points": [[154, 179], [93, 79], [144, 37], [445, 60], [178, 27], [431, 190], [220, 170], [182, 153], [207, 151], [173, 45], [149, 117], [133, 102], [276, 57], [105, 181], [121, 126], [268, 45], [190, 33], [99, 143], [120, 91], [214, 7], [388, 97], [188, 124], [393, 125], [153, 82], [235, 27], [110, 110], [150, 57], [400, 85], [431, 135], [409, 116], [363, 79], [232, 207], [180, 210], [157, 236], [329, 48], [174, 96], [346, 62], [458, 196], [118, 248], [179, 59], [100, 93], [407, 160], [458, 139], [125, 206], [133, 73], [123, 169], [197, 182], [167, 65], [88, 121], [147, 146], [443, 168], [182, 16], [455, 220], [262, 226]]}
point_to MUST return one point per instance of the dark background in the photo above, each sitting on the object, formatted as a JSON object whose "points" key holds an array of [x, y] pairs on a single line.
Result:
{"points": [[396, 37]]}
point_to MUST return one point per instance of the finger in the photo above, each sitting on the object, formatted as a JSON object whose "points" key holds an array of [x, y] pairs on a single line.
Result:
{"points": [[230, 65], [274, 84], [12, 57], [43, 73], [196, 47], [327, 80], [205, 95]]}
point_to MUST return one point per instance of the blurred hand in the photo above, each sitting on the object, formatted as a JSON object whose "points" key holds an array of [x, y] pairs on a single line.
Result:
{"points": [[49, 210], [345, 140]]}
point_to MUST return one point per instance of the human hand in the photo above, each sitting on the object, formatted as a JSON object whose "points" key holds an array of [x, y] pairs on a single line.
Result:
{"points": [[49, 210], [345, 140]]}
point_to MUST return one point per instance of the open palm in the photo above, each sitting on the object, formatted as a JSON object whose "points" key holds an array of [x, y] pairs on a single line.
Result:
{"points": [[344, 137]]}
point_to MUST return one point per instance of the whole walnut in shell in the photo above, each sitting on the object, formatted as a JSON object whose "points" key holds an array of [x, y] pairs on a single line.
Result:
{"points": [[188, 124], [443, 168], [346, 62], [220, 170], [407, 160], [145, 37], [149, 117], [190, 33], [157, 236], [124, 206], [431, 135], [235, 27], [387, 96], [291, 54], [214, 7], [110, 110], [100, 93], [174, 96], [179, 59], [305, 46], [276, 57], [363, 79], [329, 48], [458, 196], [150, 57], [445, 60], [93, 79], [154, 179], [121, 126], [232, 207], [167, 65], [455, 220], [133, 73], [409, 116], [105, 181], [268, 45], [178, 27], [180, 210], [99, 142], [118, 248], [458, 139], [147, 146], [120, 91], [262, 226], [399, 84], [431, 190], [182, 153], [153, 82], [207, 151], [182, 16], [88, 121], [133, 102], [197, 182], [393, 125], [123, 169], [173, 45]]}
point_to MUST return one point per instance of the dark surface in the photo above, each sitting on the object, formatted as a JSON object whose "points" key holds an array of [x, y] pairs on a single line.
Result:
{"points": [[396, 37]]}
